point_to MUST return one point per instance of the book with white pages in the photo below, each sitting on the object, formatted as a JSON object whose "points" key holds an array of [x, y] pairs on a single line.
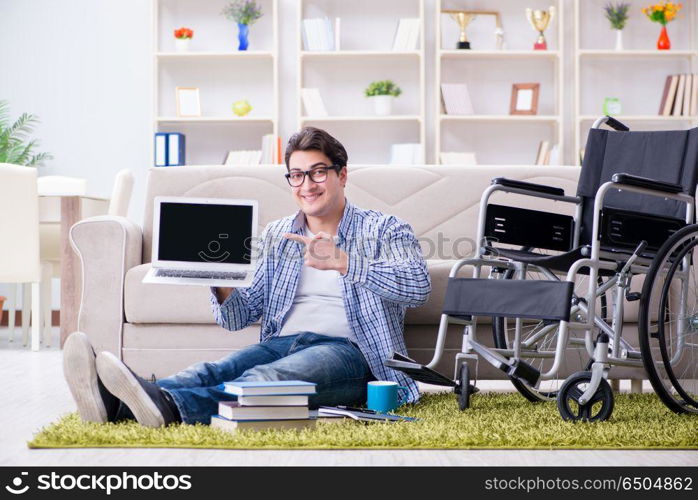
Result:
{"points": [[543, 148], [412, 42], [235, 411], [405, 154], [458, 158], [678, 103], [671, 95], [274, 400], [313, 103], [400, 35], [226, 424], [694, 96], [337, 33], [686, 111], [456, 99], [269, 387]]}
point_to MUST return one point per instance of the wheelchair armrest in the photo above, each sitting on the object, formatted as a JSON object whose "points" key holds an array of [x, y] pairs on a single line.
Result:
{"points": [[528, 186], [644, 182]]}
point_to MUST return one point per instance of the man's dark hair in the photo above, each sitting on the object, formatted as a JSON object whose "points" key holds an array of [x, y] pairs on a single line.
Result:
{"points": [[315, 139]]}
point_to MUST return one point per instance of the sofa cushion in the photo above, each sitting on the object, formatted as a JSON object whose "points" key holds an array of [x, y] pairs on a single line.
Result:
{"points": [[156, 303]]}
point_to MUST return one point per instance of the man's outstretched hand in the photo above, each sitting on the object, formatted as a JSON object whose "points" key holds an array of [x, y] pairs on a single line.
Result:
{"points": [[321, 252]]}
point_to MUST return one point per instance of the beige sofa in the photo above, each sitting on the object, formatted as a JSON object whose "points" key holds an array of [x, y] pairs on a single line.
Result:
{"points": [[159, 329]]}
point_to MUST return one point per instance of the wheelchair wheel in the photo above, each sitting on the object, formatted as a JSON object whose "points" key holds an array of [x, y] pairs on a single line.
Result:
{"points": [[668, 323], [464, 387], [541, 337], [597, 409]]}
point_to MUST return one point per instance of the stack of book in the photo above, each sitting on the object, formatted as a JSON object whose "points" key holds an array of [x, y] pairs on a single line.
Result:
{"points": [[680, 96], [281, 404]]}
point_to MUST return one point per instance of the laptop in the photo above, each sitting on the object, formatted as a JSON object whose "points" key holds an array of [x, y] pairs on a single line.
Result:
{"points": [[203, 241]]}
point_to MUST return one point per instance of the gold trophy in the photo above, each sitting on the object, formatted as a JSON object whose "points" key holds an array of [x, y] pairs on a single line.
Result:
{"points": [[463, 19], [540, 19]]}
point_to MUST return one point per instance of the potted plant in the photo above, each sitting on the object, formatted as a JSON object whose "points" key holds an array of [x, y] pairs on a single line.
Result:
{"points": [[182, 39], [617, 15], [382, 93], [244, 13], [662, 13], [13, 148]]}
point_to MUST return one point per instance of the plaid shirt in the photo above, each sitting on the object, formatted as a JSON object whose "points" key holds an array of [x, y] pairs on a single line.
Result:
{"points": [[386, 274]]}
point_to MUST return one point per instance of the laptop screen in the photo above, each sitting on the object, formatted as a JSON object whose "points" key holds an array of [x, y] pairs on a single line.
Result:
{"points": [[194, 232]]}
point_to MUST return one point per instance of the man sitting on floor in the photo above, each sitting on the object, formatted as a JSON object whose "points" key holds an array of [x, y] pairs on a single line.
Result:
{"points": [[331, 288]]}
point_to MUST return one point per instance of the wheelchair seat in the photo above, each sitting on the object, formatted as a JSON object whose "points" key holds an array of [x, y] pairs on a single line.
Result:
{"points": [[557, 262]]}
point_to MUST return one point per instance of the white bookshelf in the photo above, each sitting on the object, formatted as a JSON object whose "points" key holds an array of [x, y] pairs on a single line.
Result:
{"points": [[367, 29], [495, 136], [600, 71], [221, 72]]}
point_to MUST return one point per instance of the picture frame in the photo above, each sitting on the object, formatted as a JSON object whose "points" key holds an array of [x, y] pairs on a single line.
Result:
{"points": [[524, 99], [188, 102]]}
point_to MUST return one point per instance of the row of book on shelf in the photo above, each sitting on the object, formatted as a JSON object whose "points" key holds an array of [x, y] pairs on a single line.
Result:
{"points": [[680, 95], [320, 34], [170, 151]]}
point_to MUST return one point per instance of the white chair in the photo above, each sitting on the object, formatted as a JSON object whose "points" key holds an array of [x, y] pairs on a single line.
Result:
{"points": [[19, 225], [49, 230], [121, 193]]}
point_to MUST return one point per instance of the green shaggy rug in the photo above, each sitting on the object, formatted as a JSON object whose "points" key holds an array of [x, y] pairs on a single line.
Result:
{"points": [[495, 420]]}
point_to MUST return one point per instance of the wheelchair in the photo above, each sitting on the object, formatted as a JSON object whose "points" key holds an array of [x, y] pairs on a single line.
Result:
{"points": [[545, 279]]}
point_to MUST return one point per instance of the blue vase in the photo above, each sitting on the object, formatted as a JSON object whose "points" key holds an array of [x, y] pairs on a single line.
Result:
{"points": [[243, 32]]}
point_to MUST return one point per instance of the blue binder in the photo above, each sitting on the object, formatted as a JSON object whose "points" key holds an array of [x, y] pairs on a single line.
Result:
{"points": [[175, 149], [160, 149]]}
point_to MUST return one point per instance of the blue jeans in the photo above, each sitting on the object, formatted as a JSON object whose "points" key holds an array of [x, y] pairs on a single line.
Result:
{"points": [[335, 364]]}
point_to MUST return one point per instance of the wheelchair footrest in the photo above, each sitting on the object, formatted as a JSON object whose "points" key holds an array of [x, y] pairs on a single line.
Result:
{"points": [[516, 368], [417, 371]]}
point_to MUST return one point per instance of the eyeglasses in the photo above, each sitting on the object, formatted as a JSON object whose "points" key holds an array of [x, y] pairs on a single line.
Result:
{"points": [[296, 178]]}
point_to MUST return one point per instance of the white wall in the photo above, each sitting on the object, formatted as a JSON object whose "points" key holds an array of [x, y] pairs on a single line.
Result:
{"points": [[85, 68]]}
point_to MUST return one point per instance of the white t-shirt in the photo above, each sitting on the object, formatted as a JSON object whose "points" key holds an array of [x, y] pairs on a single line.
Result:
{"points": [[318, 306]]}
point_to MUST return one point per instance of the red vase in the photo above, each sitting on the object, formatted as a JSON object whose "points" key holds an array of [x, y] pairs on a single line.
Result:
{"points": [[663, 42]]}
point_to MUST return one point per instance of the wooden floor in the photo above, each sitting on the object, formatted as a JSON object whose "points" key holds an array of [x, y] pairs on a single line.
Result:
{"points": [[35, 394]]}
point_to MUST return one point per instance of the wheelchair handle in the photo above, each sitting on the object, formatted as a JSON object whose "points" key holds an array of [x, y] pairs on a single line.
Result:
{"points": [[611, 122]]}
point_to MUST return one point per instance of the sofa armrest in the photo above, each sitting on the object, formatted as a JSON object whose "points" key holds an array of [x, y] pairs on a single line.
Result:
{"points": [[107, 246]]}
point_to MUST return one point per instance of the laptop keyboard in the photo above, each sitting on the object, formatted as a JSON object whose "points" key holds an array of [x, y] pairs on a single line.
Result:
{"points": [[179, 273]]}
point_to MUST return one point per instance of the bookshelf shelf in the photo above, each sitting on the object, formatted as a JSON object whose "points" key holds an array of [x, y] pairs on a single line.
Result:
{"points": [[499, 54], [501, 118], [358, 53], [366, 55], [665, 54], [367, 118], [215, 119], [222, 74], [644, 118], [252, 54], [600, 72]]}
